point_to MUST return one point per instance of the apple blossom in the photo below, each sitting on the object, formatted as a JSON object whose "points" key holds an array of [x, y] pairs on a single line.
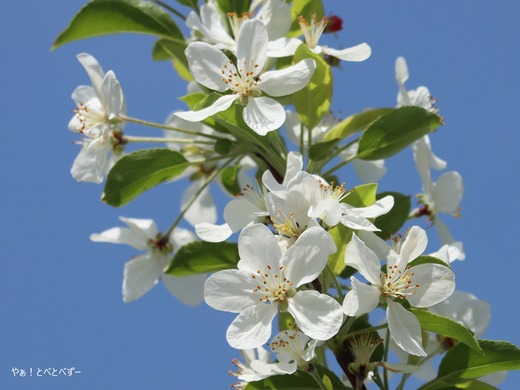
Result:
{"points": [[144, 271], [245, 373], [266, 282], [422, 286], [97, 119], [248, 81]]}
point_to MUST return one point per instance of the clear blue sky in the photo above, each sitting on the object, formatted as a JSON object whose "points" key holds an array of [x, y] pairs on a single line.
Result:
{"points": [[61, 294]]}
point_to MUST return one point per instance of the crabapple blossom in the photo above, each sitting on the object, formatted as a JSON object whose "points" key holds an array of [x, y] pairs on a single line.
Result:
{"points": [[144, 271], [248, 81], [267, 281], [97, 119], [421, 285], [245, 373]]}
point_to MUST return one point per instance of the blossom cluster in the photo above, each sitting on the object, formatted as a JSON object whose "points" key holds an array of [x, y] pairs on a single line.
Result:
{"points": [[313, 258]]}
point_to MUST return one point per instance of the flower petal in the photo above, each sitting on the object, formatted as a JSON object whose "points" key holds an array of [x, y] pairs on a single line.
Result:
{"points": [[252, 47], [317, 315], [206, 64], [252, 327], [307, 257], [203, 209], [436, 283], [230, 290], [241, 212], [356, 53], [221, 104], [263, 114], [258, 249], [187, 289], [288, 80], [94, 70], [140, 275], [213, 233], [448, 192], [404, 329], [359, 256], [362, 299], [413, 246]]}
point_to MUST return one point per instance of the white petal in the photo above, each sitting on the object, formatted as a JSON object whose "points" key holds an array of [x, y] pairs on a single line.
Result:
{"points": [[276, 15], [240, 212], [413, 246], [258, 249], [294, 165], [230, 290], [140, 275], [90, 164], [436, 283], [357, 222], [142, 229], [221, 104], [358, 255], [317, 315], [370, 171], [252, 47], [188, 289], [381, 207], [94, 70], [401, 70], [211, 25], [288, 80], [448, 192], [206, 64], [328, 210], [263, 114], [404, 329], [213, 233], [270, 369], [252, 327], [307, 257], [356, 53], [180, 237], [376, 244], [362, 299], [112, 97], [282, 47], [203, 209]]}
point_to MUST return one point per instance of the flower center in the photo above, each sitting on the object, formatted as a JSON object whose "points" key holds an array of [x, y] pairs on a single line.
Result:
{"points": [[312, 32], [241, 81], [161, 244], [288, 344], [398, 284], [254, 196], [337, 193], [235, 22], [273, 285], [90, 115], [287, 226]]}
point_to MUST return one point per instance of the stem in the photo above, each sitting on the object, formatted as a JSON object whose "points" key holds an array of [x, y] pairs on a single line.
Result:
{"points": [[385, 358], [128, 138], [192, 200], [338, 166], [344, 358], [373, 328], [125, 118], [336, 283], [172, 10], [314, 373]]}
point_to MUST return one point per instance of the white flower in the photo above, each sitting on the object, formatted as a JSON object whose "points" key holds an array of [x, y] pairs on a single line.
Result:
{"points": [[245, 373], [312, 32], [144, 271], [294, 350], [275, 14], [294, 165], [211, 68], [420, 97], [422, 286], [266, 282], [96, 118]]}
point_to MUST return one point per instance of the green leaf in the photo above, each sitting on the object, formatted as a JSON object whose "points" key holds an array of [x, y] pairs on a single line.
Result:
{"points": [[355, 123], [306, 9], [139, 171], [103, 17], [190, 3], [322, 150], [229, 178], [471, 385], [425, 259], [200, 257], [362, 196], [313, 101], [234, 6], [391, 222], [461, 364], [394, 131], [446, 327], [302, 381]]}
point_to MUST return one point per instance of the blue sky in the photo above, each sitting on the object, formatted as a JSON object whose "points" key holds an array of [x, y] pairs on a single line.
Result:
{"points": [[61, 294]]}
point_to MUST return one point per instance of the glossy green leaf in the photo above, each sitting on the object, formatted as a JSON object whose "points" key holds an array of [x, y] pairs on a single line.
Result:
{"points": [[305, 9], [362, 196], [446, 327], [394, 131], [462, 363], [234, 6], [425, 259], [139, 171], [355, 123], [200, 257], [103, 17], [313, 101], [471, 385], [391, 222], [302, 381], [322, 150], [229, 179]]}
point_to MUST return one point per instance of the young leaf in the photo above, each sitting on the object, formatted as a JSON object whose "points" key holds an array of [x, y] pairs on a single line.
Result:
{"points": [[200, 257], [355, 123], [102, 17], [229, 178], [362, 196], [238, 7], [446, 327], [137, 172], [462, 364], [322, 150], [394, 131], [391, 222], [313, 101]]}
